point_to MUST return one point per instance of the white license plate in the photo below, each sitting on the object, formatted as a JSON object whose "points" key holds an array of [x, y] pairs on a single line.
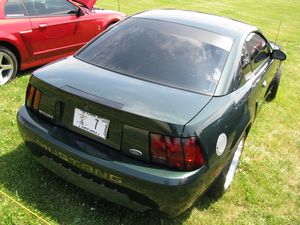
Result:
{"points": [[91, 123]]}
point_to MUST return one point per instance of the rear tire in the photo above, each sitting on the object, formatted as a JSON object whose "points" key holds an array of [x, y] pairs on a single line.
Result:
{"points": [[222, 183], [274, 88], [8, 65]]}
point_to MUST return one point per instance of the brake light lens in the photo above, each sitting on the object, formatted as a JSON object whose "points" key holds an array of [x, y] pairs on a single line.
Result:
{"points": [[193, 156], [29, 95], [36, 101], [173, 152], [33, 97]]}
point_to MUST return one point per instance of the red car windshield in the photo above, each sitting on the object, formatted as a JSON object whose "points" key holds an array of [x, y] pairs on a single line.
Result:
{"points": [[162, 52]]}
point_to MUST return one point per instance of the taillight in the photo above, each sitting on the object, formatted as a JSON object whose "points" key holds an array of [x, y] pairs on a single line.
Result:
{"points": [[192, 153], [181, 153], [158, 149], [174, 151], [29, 95], [33, 97], [37, 99]]}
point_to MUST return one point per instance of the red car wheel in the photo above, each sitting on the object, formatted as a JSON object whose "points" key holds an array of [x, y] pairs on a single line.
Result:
{"points": [[8, 65]]}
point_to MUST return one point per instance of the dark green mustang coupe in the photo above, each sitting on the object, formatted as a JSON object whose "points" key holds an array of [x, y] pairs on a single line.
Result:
{"points": [[154, 112]]}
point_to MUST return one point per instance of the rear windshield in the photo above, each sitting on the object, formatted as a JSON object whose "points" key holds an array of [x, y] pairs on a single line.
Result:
{"points": [[162, 52]]}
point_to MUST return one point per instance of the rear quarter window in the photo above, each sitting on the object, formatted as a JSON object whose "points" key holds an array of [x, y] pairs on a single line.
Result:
{"points": [[48, 7]]}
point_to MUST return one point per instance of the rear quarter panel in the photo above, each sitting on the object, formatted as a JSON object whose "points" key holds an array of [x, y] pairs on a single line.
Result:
{"points": [[232, 114], [228, 114]]}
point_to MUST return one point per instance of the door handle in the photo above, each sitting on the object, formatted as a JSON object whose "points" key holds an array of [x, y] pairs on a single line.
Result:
{"points": [[43, 25], [264, 84]]}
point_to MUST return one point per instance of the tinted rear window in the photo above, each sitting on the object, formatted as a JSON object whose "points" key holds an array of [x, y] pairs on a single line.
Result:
{"points": [[162, 52]]}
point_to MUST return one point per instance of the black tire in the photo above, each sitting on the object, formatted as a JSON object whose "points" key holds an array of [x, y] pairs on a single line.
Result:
{"points": [[222, 183], [8, 65], [274, 88]]}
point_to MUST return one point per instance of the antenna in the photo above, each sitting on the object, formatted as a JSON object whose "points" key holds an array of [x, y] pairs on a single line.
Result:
{"points": [[278, 31], [118, 5]]}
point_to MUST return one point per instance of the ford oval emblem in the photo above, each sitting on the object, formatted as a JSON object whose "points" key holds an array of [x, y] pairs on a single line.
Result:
{"points": [[135, 152]]}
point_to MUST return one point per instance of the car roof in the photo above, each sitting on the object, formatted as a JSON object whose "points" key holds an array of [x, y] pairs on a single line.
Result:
{"points": [[217, 24]]}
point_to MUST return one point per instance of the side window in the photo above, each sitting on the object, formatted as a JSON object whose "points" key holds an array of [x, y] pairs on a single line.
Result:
{"points": [[13, 8], [258, 49], [49, 7], [244, 67]]}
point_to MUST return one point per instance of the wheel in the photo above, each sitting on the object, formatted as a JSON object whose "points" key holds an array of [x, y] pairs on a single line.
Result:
{"points": [[274, 88], [8, 65], [224, 180]]}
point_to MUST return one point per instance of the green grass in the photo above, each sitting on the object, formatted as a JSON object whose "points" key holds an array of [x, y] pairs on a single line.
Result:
{"points": [[266, 188]]}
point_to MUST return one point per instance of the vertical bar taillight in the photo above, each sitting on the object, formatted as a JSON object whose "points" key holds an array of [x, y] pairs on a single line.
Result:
{"points": [[36, 100], [33, 97], [29, 95]]}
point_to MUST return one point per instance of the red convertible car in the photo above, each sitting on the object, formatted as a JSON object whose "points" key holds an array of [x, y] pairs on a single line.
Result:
{"points": [[35, 32]]}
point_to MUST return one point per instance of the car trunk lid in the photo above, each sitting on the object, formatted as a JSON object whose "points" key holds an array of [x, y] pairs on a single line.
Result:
{"points": [[132, 108]]}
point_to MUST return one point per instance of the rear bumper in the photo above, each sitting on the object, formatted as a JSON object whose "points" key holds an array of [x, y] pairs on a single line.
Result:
{"points": [[89, 184], [108, 173]]}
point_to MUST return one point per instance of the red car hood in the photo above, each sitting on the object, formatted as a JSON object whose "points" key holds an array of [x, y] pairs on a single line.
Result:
{"points": [[88, 3]]}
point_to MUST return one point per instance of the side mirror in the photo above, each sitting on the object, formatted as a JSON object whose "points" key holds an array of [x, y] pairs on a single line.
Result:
{"points": [[278, 54], [79, 12], [260, 57]]}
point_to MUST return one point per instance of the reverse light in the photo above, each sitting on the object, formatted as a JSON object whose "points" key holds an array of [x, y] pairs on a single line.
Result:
{"points": [[158, 149], [173, 152]]}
